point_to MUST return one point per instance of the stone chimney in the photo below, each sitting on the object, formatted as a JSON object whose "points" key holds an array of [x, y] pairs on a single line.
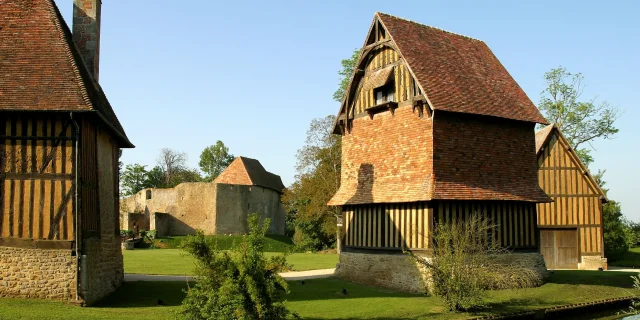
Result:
{"points": [[86, 33]]}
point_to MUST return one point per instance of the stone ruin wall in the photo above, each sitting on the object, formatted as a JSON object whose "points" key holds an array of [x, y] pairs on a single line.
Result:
{"points": [[215, 208]]}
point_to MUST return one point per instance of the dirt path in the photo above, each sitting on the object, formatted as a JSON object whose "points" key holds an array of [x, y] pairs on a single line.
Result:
{"points": [[294, 275]]}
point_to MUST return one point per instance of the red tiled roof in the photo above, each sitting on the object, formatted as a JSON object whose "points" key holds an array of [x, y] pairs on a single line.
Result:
{"points": [[249, 172], [40, 68], [458, 73]]}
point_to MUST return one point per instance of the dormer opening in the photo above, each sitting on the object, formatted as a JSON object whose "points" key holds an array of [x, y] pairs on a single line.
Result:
{"points": [[385, 93]]}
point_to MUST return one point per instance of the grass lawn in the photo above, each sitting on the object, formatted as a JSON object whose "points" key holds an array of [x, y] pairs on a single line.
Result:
{"points": [[178, 262], [631, 259], [322, 299], [273, 242]]}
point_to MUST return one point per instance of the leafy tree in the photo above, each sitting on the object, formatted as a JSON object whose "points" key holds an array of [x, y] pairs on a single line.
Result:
{"points": [[582, 122], [214, 159], [317, 180], [133, 179], [155, 178], [237, 284], [616, 232], [184, 175], [466, 261], [171, 162], [345, 74]]}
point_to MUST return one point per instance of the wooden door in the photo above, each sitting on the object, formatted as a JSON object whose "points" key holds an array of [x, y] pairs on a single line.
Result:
{"points": [[559, 248]]}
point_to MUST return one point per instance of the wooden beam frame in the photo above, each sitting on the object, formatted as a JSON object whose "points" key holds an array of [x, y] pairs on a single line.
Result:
{"points": [[37, 244]]}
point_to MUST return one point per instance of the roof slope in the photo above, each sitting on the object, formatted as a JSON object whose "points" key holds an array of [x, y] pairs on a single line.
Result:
{"points": [[542, 135], [247, 171], [458, 73], [40, 68]]}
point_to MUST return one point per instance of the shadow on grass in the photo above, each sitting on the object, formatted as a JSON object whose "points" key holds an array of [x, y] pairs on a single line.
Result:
{"points": [[630, 259], [336, 289], [171, 293], [598, 278], [513, 305], [145, 294]]}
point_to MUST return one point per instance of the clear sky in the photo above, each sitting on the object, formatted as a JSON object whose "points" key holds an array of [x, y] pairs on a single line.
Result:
{"points": [[183, 74]]}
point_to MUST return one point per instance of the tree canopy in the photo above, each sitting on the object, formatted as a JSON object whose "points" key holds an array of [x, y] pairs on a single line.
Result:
{"points": [[214, 159], [582, 122], [317, 180], [345, 74]]}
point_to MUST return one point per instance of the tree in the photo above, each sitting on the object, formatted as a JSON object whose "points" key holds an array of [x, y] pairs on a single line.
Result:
{"points": [[237, 284], [466, 261], [616, 233], [171, 162], [345, 74], [133, 179], [155, 178], [317, 180], [184, 175], [214, 159], [582, 122]]}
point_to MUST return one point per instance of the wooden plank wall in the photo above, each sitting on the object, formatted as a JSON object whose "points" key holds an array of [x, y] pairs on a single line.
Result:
{"points": [[387, 226], [37, 177], [90, 211], [515, 222], [405, 86], [576, 201]]}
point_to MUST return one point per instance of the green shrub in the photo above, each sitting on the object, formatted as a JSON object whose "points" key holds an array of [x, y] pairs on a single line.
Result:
{"points": [[237, 284], [616, 233], [465, 264], [310, 234], [125, 234]]}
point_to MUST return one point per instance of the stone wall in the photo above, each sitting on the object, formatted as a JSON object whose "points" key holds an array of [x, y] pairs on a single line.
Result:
{"points": [[215, 208], [592, 263], [192, 206], [398, 271], [37, 273], [235, 202]]}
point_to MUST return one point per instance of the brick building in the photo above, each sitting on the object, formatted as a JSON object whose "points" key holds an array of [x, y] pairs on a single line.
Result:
{"points": [[434, 129], [59, 149]]}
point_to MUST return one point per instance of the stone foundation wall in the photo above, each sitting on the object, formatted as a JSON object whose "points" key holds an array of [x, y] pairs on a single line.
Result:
{"points": [[103, 273], [37, 273], [592, 263], [398, 271]]}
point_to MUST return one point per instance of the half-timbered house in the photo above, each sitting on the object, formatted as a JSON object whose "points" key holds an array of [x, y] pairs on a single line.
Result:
{"points": [[59, 149], [571, 227], [434, 129]]}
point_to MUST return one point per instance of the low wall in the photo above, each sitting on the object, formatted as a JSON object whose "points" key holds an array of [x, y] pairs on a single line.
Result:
{"points": [[398, 271], [592, 263], [37, 273]]}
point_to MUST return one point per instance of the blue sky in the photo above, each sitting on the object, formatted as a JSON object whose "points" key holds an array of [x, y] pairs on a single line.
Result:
{"points": [[183, 74]]}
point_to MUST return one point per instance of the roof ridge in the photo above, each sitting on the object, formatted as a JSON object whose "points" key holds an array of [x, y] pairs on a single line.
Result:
{"points": [[427, 26]]}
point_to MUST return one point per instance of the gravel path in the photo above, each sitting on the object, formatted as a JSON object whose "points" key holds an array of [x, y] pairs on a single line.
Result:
{"points": [[294, 275]]}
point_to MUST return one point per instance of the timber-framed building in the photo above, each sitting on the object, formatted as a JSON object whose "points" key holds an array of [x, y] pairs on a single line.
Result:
{"points": [[571, 227], [434, 129], [59, 150]]}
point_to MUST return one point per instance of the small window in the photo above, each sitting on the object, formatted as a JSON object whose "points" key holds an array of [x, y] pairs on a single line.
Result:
{"points": [[148, 194], [384, 94]]}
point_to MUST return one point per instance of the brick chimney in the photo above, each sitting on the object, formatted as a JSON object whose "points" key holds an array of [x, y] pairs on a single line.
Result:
{"points": [[86, 33]]}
